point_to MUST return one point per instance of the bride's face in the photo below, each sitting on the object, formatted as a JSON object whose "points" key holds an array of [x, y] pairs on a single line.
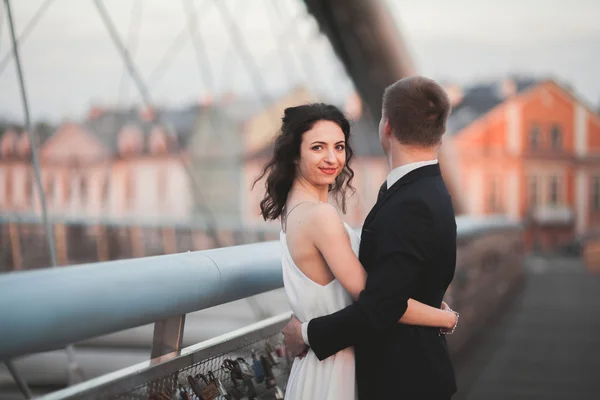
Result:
{"points": [[322, 153]]}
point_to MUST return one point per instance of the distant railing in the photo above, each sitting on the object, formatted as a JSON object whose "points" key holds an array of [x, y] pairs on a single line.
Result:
{"points": [[92, 239], [47, 309]]}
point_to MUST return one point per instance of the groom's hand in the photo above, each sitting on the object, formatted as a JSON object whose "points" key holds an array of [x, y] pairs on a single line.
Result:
{"points": [[292, 338]]}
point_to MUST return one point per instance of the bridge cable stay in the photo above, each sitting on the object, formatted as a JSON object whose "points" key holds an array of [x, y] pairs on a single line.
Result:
{"points": [[280, 32], [243, 51], [133, 40], [251, 66], [255, 76], [305, 59], [236, 37], [211, 224], [75, 373], [173, 50], [177, 44], [26, 32], [202, 59], [212, 228], [226, 77], [1, 23], [206, 74], [175, 47]]}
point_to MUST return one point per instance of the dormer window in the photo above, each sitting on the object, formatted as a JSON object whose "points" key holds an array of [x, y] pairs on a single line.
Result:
{"points": [[534, 137], [556, 137]]}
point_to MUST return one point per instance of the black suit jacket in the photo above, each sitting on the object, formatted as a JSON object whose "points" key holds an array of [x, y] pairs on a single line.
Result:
{"points": [[408, 248]]}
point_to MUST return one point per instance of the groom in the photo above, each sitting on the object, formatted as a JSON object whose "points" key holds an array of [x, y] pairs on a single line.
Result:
{"points": [[408, 247]]}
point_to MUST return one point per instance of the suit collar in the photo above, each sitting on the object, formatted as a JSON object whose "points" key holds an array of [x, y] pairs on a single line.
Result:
{"points": [[423, 172], [417, 173], [397, 173]]}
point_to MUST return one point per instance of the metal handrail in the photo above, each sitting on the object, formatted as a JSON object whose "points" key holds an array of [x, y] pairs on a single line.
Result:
{"points": [[46, 309]]}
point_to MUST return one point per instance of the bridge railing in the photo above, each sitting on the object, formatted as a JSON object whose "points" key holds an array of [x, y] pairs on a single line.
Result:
{"points": [[47, 309], [255, 349]]}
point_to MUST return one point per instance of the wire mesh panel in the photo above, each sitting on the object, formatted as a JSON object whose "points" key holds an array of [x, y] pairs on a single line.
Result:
{"points": [[257, 370], [250, 363]]}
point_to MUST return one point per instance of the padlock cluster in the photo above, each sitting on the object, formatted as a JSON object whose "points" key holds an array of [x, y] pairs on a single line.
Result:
{"points": [[248, 379]]}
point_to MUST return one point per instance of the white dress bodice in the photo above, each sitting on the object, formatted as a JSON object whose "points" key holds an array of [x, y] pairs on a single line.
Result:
{"points": [[334, 377]]}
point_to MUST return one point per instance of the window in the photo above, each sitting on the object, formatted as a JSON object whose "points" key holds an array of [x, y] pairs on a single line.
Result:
{"points": [[9, 188], [129, 190], [68, 192], [555, 190], [534, 137], [82, 189], [494, 195], [50, 188], [596, 193], [556, 135], [29, 188], [162, 186], [533, 191], [104, 191]]}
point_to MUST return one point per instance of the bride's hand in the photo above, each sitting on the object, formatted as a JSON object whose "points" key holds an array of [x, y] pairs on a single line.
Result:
{"points": [[292, 338], [450, 328]]}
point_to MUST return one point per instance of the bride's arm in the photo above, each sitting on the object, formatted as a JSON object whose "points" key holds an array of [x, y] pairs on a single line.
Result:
{"points": [[330, 237], [418, 313]]}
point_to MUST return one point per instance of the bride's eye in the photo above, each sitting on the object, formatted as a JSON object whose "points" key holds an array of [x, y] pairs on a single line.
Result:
{"points": [[317, 147], [341, 147]]}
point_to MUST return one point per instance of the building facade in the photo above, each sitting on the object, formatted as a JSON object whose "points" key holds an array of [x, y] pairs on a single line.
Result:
{"points": [[533, 155]]}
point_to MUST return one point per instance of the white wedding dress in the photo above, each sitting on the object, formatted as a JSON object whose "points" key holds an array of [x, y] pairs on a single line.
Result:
{"points": [[311, 379]]}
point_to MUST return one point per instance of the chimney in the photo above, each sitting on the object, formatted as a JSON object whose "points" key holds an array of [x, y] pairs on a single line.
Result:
{"points": [[147, 114], [354, 106], [23, 145], [508, 88], [205, 100], [96, 112], [229, 97], [455, 93]]}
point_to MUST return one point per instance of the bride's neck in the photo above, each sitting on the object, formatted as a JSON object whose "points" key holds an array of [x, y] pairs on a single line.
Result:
{"points": [[307, 189]]}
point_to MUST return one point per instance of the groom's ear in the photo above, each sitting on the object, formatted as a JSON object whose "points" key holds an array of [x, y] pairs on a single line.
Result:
{"points": [[387, 129]]}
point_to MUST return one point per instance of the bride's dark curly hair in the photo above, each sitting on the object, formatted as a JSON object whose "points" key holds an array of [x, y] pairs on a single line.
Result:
{"points": [[281, 169]]}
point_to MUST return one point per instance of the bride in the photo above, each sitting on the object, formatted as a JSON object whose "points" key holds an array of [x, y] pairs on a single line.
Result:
{"points": [[321, 271]]}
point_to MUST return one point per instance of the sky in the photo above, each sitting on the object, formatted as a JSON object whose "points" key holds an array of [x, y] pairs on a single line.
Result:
{"points": [[70, 63]]}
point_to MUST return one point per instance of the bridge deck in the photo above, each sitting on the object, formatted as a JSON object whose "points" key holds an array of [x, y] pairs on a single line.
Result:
{"points": [[547, 344]]}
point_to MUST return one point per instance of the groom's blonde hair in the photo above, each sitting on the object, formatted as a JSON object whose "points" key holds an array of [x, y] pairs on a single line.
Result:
{"points": [[417, 109]]}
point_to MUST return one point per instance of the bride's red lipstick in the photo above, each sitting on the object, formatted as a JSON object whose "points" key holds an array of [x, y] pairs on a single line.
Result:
{"points": [[329, 171]]}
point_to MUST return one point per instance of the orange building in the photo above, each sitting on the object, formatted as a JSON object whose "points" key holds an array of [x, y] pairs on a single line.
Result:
{"points": [[530, 150]]}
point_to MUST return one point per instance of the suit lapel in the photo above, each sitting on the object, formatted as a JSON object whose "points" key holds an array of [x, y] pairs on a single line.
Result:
{"points": [[428, 170]]}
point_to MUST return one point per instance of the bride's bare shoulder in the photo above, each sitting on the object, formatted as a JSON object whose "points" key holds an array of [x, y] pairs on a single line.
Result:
{"points": [[324, 216]]}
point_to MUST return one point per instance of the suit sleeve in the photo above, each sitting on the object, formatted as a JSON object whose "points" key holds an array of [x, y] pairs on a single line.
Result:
{"points": [[403, 242]]}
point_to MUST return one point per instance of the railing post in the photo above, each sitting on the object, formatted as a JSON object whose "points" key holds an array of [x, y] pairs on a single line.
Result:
{"points": [[102, 243], [15, 245], [168, 336], [169, 239], [60, 234], [18, 379], [137, 242]]}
